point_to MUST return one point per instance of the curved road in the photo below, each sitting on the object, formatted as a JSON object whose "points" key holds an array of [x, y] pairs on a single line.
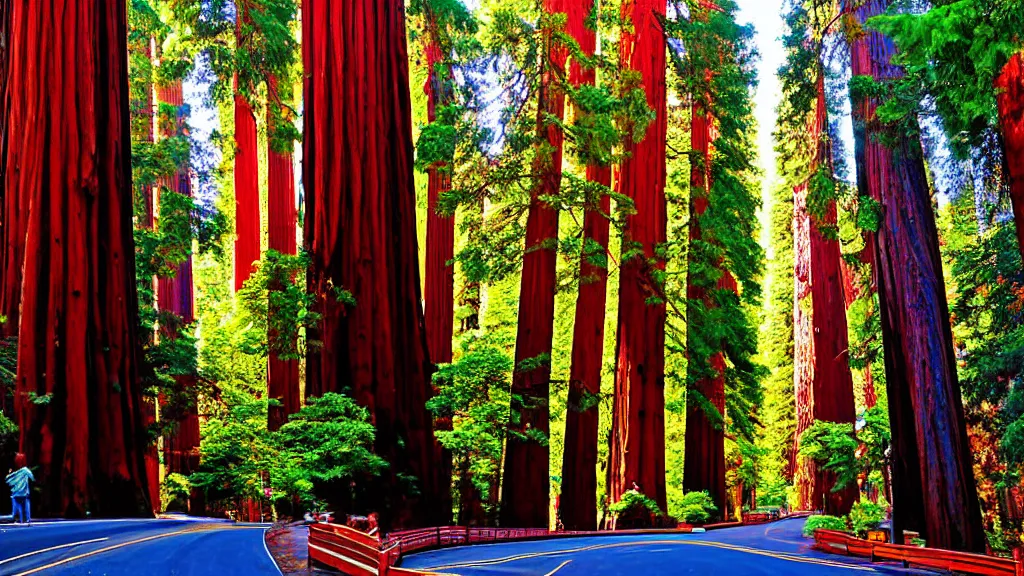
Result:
{"points": [[776, 548], [180, 547]]}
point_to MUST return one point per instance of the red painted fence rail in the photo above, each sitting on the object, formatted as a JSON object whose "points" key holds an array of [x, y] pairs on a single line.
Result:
{"points": [[934, 558]]}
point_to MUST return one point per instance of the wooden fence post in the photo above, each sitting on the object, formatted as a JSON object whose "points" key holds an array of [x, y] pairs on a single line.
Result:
{"points": [[1018, 556]]}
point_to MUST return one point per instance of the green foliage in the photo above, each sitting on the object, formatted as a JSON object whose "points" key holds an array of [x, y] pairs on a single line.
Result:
{"points": [[953, 52], [473, 394], [277, 303], [865, 516], [175, 491], [833, 447], [696, 507], [635, 510], [235, 450], [326, 447], [824, 522]]}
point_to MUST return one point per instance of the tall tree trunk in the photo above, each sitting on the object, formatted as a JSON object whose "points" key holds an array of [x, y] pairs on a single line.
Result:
{"points": [[578, 505], [525, 494], [832, 392], [70, 166], [1010, 88], [12, 213], [803, 348], [282, 373], [361, 234], [439, 281], [175, 299], [933, 482], [852, 290], [247, 184], [637, 451], [704, 462]]}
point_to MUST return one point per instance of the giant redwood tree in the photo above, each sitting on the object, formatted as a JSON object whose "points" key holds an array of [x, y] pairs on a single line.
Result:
{"points": [[69, 159], [832, 385], [525, 490], [282, 373], [360, 231], [933, 483], [247, 185], [578, 503], [637, 451], [1010, 98]]}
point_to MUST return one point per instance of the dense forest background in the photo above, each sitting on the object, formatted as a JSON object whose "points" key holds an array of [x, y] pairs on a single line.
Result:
{"points": [[606, 315]]}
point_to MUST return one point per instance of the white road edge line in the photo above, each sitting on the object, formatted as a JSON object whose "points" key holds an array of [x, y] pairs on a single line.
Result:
{"points": [[560, 566], [267, 550], [51, 549]]}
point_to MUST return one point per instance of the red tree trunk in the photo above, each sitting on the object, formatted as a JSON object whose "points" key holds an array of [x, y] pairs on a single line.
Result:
{"points": [[361, 233], [70, 166], [637, 451], [525, 492], [933, 483], [852, 290], [439, 289], [578, 504], [832, 388], [704, 462], [282, 374], [247, 187], [803, 347], [1010, 88], [175, 296]]}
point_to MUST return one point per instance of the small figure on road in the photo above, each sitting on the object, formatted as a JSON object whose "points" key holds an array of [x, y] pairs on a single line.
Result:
{"points": [[18, 481]]}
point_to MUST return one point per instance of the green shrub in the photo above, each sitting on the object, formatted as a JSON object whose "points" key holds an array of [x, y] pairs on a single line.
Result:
{"points": [[696, 507], [175, 491], [635, 510], [865, 516], [824, 522]]}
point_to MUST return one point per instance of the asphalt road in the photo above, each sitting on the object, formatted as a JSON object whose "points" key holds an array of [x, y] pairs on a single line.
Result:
{"points": [[776, 548], [179, 547]]}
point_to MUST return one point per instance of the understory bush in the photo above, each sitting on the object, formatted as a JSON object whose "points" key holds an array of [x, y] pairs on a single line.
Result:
{"points": [[824, 522], [866, 516], [697, 507], [635, 510]]}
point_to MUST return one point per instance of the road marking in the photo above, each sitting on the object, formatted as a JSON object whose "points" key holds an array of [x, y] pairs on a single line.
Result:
{"points": [[776, 555], [101, 551], [51, 549], [267, 550], [560, 566]]}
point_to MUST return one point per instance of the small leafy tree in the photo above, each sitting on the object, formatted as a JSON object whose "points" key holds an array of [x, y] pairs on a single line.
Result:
{"points": [[697, 507], [833, 447], [325, 449], [866, 516], [473, 393]]}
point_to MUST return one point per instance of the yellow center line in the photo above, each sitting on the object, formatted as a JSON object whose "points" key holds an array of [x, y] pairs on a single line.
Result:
{"points": [[776, 555], [51, 549], [107, 549]]}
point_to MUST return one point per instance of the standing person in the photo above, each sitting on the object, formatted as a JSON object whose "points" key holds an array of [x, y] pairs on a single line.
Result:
{"points": [[18, 481]]}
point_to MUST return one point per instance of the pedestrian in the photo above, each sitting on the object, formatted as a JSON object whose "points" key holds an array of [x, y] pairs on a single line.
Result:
{"points": [[18, 480]]}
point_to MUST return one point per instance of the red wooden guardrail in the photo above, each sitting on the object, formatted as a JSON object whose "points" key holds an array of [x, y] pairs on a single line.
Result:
{"points": [[948, 560], [359, 554]]}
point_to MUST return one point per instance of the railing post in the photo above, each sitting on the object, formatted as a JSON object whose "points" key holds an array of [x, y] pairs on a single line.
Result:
{"points": [[1018, 556], [438, 536], [467, 534]]}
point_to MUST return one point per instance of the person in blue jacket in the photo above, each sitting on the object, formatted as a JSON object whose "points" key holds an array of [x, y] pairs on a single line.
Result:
{"points": [[18, 480]]}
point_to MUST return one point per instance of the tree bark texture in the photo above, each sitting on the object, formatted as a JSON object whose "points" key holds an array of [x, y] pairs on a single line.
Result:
{"points": [[832, 386], [175, 296], [360, 230], [12, 213], [282, 373], [578, 504], [439, 281], [704, 457], [637, 451], [1010, 98], [933, 482], [525, 495], [247, 185], [803, 347], [69, 163]]}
